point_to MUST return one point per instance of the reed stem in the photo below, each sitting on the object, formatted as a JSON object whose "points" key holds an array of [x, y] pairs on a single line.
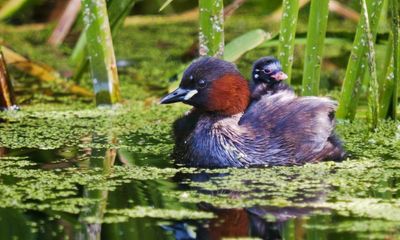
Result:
{"points": [[101, 52], [386, 93], [356, 66], [315, 45], [287, 35], [211, 31], [118, 10], [373, 89], [396, 55]]}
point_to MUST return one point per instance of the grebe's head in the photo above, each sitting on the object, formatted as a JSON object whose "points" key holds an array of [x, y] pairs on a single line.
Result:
{"points": [[212, 85], [268, 70]]}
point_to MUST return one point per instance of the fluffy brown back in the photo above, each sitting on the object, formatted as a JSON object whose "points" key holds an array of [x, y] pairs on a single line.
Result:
{"points": [[302, 124]]}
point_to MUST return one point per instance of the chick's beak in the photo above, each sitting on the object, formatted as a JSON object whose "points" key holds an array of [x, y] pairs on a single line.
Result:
{"points": [[179, 95], [279, 76]]}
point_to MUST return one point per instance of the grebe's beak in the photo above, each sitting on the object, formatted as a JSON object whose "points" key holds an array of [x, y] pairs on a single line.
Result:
{"points": [[279, 76], [179, 95]]}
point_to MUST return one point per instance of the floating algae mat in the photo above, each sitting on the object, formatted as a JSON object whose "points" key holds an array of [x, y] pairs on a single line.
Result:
{"points": [[86, 174]]}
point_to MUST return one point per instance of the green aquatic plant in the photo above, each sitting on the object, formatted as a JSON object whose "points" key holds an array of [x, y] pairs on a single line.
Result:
{"points": [[287, 35], [12, 7], [132, 185], [387, 81], [211, 29], [373, 96], [165, 4], [355, 69], [396, 54], [244, 43], [114, 215], [101, 52], [117, 12], [58, 128], [36, 189], [317, 24], [335, 186]]}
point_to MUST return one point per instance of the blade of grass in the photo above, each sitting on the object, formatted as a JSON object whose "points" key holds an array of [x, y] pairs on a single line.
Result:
{"points": [[7, 98], [166, 3], [211, 32], [373, 89], [356, 65], [101, 52], [396, 55], [287, 35], [12, 7], [315, 45], [386, 94], [383, 61], [384, 19], [79, 53], [118, 11], [244, 43]]}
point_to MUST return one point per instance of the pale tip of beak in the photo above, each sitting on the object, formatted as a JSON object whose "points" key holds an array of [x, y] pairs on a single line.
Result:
{"points": [[190, 94], [280, 76]]}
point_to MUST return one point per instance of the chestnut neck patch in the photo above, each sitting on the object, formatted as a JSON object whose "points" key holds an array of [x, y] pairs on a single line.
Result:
{"points": [[229, 95]]}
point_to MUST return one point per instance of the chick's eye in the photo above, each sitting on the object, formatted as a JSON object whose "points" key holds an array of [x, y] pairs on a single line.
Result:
{"points": [[267, 71], [201, 83]]}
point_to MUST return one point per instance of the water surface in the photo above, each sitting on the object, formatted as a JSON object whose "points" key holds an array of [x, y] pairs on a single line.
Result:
{"points": [[107, 174]]}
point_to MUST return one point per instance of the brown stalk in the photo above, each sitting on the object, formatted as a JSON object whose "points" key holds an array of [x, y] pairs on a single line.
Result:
{"points": [[334, 6], [42, 72], [7, 99], [231, 8], [65, 23], [344, 11]]}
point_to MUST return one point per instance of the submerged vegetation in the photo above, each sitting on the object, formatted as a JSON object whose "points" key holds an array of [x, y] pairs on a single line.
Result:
{"points": [[67, 167]]}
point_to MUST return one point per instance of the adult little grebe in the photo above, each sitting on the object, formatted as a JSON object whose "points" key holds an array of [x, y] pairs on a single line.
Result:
{"points": [[222, 130]]}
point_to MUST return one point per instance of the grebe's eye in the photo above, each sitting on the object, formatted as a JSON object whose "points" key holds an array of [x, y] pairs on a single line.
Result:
{"points": [[201, 83]]}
